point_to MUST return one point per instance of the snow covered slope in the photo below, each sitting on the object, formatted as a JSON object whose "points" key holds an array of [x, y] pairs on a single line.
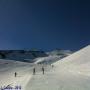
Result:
{"points": [[47, 60], [7, 70], [71, 73], [80, 59], [53, 56]]}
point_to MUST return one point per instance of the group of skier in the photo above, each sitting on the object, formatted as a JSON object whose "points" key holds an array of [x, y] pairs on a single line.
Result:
{"points": [[34, 70], [42, 69]]}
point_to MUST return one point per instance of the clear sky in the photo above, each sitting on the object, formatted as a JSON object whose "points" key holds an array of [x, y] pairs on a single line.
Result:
{"points": [[44, 24]]}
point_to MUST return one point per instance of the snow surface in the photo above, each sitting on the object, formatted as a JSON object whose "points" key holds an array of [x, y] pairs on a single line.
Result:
{"points": [[47, 60], [70, 73], [7, 70]]}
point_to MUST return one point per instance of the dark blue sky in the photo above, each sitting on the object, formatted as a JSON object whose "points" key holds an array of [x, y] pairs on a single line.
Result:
{"points": [[44, 24]]}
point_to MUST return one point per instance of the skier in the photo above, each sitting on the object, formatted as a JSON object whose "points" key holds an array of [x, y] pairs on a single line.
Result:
{"points": [[43, 70], [15, 74], [52, 65], [34, 71]]}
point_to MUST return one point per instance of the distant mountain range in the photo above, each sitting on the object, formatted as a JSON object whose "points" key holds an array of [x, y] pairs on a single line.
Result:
{"points": [[31, 55], [53, 56]]}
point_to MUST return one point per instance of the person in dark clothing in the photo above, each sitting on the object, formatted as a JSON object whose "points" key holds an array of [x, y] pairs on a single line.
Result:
{"points": [[15, 74], [43, 70], [34, 71], [52, 66]]}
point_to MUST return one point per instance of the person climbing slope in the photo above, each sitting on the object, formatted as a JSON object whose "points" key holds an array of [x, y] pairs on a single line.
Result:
{"points": [[43, 70], [15, 74], [34, 71]]}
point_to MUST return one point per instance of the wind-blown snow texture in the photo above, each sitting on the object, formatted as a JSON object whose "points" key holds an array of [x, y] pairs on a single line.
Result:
{"points": [[70, 73]]}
